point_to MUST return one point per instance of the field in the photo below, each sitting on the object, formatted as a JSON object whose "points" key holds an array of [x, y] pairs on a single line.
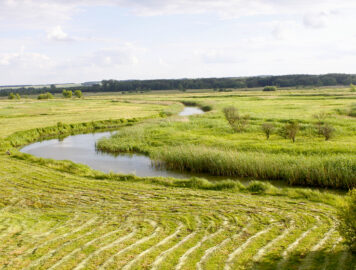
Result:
{"points": [[61, 215], [207, 143]]}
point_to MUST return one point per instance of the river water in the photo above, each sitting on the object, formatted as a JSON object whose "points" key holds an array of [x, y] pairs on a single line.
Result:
{"points": [[81, 149]]}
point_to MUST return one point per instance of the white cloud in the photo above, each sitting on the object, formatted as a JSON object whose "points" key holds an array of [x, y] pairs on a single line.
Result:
{"points": [[125, 55], [25, 60], [220, 56], [285, 30], [313, 20], [57, 34], [44, 11], [268, 36]]}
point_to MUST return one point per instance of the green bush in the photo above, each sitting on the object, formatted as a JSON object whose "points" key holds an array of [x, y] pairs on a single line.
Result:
{"points": [[67, 93], [267, 128], [207, 108], [257, 187], [352, 87], [14, 96], [327, 131], [270, 88], [352, 111], [78, 93], [47, 95], [347, 216], [291, 130], [236, 121]]}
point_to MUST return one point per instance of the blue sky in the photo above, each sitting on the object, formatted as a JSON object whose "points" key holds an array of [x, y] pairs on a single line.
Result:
{"points": [[85, 40]]}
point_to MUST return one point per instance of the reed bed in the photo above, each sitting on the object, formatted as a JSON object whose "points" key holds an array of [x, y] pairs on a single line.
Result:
{"points": [[337, 171]]}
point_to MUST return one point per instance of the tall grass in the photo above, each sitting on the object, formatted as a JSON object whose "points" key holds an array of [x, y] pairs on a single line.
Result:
{"points": [[21, 138], [338, 171]]}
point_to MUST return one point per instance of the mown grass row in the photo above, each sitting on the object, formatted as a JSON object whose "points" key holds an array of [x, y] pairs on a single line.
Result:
{"points": [[253, 187], [77, 223]]}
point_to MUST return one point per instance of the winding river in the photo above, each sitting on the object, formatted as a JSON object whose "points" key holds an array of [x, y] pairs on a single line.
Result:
{"points": [[81, 149]]}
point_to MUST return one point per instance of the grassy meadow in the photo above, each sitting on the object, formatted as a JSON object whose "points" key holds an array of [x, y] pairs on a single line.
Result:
{"points": [[207, 144], [62, 215]]}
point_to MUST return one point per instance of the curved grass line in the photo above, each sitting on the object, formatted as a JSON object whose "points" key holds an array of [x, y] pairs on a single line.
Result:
{"points": [[238, 250], [83, 226], [263, 250], [308, 259], [185, 256], [162, 256], [142, 240], [56, 227], [165, 240], [68, 256], [53, 251], [326, 263], [96, 252], [210, 250], [20, 257], [293, 245]]}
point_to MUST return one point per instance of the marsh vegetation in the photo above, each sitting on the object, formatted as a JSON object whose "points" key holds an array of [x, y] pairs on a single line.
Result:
{"points": [[62, 215]]}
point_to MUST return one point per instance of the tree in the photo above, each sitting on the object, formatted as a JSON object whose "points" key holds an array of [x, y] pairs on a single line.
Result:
{"points": [[67, 93], [181, 87], [270, 88], [353, 87], [267, 128], [320, 118], [291, 130], [78, 93], [11, 96], [327, 131], [347, 216], [236, 121]]}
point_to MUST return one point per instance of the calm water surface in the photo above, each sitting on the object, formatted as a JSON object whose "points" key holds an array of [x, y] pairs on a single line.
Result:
{"points": [[81, 149]]}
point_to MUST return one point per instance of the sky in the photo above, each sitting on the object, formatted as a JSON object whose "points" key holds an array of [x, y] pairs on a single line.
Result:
{"points": [[58, 41]]}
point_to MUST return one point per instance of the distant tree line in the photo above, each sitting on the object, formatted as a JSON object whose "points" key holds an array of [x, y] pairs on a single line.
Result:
{"points": [[207, 83]]}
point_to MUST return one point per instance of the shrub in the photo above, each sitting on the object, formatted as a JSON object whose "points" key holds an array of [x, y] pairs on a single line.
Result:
{"points": [[236, 121], [270, 88], [327, 131], [47, 95], [165, 114], [320, 118], [257, 187], [207, 108], [352, 111], [352, 87], [347, 216], [291, 130], [67, 93], [78, 93], [14, 96], [267, 128]]}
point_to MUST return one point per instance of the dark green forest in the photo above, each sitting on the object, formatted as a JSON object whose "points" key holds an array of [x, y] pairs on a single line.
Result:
{"points": [[302, 81]]}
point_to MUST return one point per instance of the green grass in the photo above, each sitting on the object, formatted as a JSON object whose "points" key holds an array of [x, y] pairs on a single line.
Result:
{"points": [[64, 215], [206, 143]]}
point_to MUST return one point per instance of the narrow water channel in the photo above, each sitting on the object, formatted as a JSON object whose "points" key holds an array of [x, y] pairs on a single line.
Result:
{"points": [[81, 149]]}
